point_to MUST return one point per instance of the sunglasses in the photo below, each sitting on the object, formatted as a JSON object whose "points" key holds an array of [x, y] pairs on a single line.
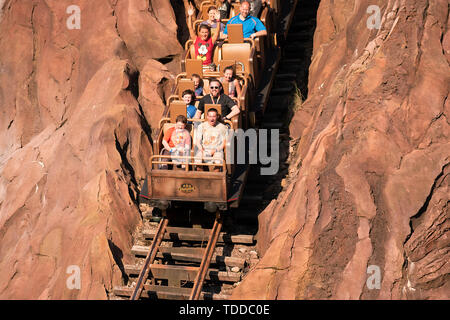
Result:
{"points": [[214, 87]]}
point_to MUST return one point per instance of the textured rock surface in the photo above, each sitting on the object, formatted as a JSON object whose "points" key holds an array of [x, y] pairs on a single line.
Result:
{"points": [[372, 185], [75, 141], [371, 174]]}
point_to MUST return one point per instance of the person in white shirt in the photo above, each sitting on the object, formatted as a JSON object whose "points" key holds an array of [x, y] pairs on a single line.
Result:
{"points": [[210, 142]]}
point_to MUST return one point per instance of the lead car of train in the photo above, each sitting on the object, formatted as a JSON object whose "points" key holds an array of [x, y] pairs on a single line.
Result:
{"points": [[255, 62]]}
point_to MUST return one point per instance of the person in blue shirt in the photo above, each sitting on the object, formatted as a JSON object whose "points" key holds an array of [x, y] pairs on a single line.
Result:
{"points": [[188, 97], [198, 85], [251, 26]]}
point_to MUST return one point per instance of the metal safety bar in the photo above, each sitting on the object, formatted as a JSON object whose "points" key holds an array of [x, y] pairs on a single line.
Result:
{"points": [[187, 163], [163, 120]]}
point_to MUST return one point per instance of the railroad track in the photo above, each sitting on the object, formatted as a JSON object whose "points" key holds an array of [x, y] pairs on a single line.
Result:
{"points": [[195, 262], [191, 255]]}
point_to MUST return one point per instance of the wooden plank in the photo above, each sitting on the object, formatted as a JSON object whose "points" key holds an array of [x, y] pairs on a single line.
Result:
{"points": [[185, 273], [188, 255], [190, 234], [164, 292]]}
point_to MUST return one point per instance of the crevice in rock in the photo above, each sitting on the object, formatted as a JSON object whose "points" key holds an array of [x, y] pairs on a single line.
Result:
{"points": [[423, 209], [162, 83], [166, 59], [118, 256], [31, 84], [421, 32], [180, 19], [133, 87], [127, 168], [133, 84], [145, 125], [415, 220], [122, 51]]}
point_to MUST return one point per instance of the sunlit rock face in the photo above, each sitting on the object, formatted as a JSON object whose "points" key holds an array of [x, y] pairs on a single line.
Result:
{"points": [[366, 215], [81, 89]]}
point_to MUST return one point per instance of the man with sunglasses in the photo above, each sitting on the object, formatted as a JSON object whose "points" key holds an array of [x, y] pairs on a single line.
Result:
{"points": [[228, 107]]}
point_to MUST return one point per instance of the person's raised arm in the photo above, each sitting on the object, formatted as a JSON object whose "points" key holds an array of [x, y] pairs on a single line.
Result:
{"points": [[217, 33], [191, 12]]}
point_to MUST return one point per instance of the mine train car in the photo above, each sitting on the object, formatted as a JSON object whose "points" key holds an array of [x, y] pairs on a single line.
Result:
{"points": [[255, 63]]}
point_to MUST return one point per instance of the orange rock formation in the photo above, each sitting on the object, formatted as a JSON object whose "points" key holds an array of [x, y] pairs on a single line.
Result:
{"points": [[372, 184], [372, 168], [75, 141]]}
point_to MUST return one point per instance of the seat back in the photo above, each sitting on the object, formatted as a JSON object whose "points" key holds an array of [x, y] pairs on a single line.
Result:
{"points": [[216, 55], [208, 106], [192, 51], [204, 9], [226, 87], [235, 33], [206, 85], [175, 109], [184, 84], [194, 66], [239, 52], [226, 63]]}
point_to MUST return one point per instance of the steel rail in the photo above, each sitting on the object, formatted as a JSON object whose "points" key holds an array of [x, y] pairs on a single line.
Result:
{"points": [[206, 260], [143, 275]]}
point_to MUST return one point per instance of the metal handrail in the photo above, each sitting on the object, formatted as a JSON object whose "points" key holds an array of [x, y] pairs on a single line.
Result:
{"points": [[187, 163]]}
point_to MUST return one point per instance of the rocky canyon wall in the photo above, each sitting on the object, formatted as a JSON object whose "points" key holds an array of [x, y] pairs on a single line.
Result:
{"points": [[82, 85], [81, 91], [370, 184]]}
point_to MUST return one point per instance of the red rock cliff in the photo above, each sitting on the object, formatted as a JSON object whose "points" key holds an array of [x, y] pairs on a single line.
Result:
{"points": [[74, 140], [371, 184], [371, 178]]}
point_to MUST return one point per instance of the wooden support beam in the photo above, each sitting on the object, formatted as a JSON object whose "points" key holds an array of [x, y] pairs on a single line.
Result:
{"points": [[198, 235], [164, 292], [184, 273], [188, 255]]}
